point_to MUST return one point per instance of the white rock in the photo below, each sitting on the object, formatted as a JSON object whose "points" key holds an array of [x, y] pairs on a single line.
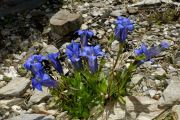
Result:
{"points": [[172, 93], [176, 112], [1, 77], [159, 72], [11, 72], [15, 87], [136, 78], [152, 93], [16, 109]]}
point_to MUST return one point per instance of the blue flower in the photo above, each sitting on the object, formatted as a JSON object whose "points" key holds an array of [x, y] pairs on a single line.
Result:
{"points": [[92, 52], [33, 59], [149, 53], [123, 26], [84, 36], [73, 53], [43, 79], [53, 57], [164, 45]]}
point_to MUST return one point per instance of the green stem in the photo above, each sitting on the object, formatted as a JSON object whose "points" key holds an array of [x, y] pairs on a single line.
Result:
{"points": [[114, 66]]}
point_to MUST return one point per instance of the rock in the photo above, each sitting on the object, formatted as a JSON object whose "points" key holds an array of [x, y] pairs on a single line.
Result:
{"points": [[152, 93], [64, 22], [49, 49], [41, 109], [117, 13], [115, 46], [1, 77], [160, 72], [14, 6], [16, 109], [136, 78], [176, 112], [177, 59], [137, 108], [171, 93], [132, 10], [15, 87], [11, 72], [2, 84], [32, 117], [39, 96], [11, 102]]}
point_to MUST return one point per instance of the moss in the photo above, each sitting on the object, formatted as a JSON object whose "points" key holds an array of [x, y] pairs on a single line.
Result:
{"points": [[22, 71], [6, 78]]}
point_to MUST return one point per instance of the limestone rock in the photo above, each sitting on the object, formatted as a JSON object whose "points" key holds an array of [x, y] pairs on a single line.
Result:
{"points": [[15, 87], [64, 22], [39, 95], [11, 102], [176, 112], [171, 93], [32, 117], [136, 108]]}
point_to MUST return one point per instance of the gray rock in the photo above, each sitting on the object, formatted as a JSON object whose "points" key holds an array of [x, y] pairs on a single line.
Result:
{"points": [[136, 108], [64, 22], [32, 117], [2, 83], [176, 112], [11, 72], [39, 96], [11, 102], [177, 59], [171, 93], [15, 87], [159, 72], [115, 46], [136, 78], [117, 13], [132, 10], [49, 49], [14, 6]]}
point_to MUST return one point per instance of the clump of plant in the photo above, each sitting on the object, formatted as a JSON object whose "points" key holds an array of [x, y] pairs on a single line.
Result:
{"points": [[87, 87], [164, 16]]}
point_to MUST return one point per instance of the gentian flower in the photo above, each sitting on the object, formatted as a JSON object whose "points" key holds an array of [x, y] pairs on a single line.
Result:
{"points": [[92, 52], [53, 57], [73, 53], [33, 59], [43, 79], [149, 53], [164, 45], [84, 36], [123, 26]]}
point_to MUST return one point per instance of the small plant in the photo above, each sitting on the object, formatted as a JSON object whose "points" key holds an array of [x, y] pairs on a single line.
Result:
{"points": [[87, 87]]}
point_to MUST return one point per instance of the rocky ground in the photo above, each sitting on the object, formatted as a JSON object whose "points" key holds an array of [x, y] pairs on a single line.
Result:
{"points": [[156, 87]]}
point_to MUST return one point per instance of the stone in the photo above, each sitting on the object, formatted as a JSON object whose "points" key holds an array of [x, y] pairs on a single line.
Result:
{"points": [[176, 112], [159, 72], [115, 46], [117, 13], [64, 22], [17, 109], [39, 96], [1, 77], [11, 72], [11, 102], [2, 84], [13, 6], [152, 93], [49, 49], [33, 117], [136, 108], [15, 87], [136, 78], [177, 59], [171, 94], [132, 10]]}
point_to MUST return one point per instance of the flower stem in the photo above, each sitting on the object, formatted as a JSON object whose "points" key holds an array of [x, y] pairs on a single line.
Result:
{"points": [[121, 45]]}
